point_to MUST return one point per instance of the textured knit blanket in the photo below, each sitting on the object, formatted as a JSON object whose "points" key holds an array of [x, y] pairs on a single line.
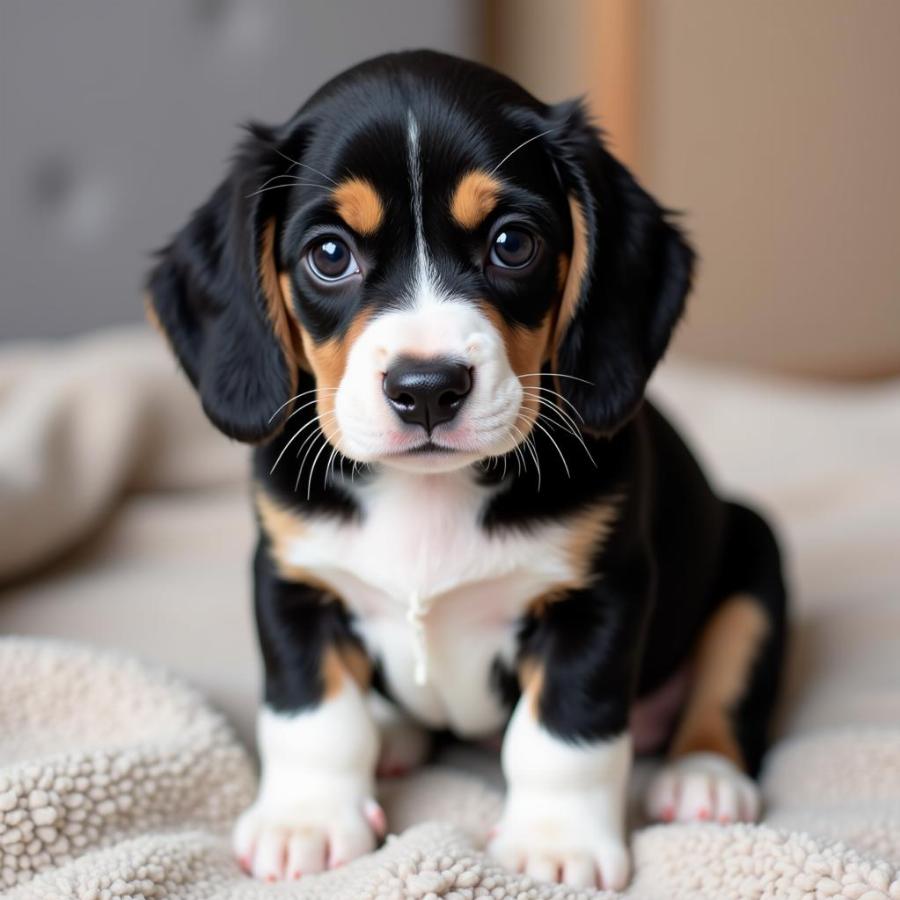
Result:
{"points": [[118, 781]]}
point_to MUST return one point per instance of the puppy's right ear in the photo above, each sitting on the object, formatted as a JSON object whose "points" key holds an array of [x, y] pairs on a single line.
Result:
{"points": [[630, 273], [215, 294]]}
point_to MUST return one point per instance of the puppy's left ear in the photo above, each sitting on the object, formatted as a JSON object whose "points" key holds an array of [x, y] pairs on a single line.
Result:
{"points": [[215, 293], [628, 277]]}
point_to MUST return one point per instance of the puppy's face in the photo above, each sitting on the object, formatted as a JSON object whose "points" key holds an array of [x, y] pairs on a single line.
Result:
{"points": [[425, 239], [424, 276]]}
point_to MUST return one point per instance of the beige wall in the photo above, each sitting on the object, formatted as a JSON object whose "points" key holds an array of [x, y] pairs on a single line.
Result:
{"points": [[573, 48], [776, 127]]}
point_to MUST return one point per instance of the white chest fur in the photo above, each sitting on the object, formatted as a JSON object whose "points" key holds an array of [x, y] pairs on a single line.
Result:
{"points": [[437, 598]]}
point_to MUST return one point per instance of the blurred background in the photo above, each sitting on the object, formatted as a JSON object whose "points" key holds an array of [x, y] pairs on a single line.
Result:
{"points": [[774, 126]]}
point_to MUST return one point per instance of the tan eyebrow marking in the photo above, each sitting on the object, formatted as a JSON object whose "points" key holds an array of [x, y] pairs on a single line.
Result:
{"points": [[474, 199], [359, 205]]}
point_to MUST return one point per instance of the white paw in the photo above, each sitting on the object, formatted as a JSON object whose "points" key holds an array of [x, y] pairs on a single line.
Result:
{"points": [[288, 840], [702, 787], [565, 838]]}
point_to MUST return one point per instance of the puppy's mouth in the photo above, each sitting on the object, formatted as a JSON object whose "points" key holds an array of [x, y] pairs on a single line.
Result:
{"points": [[429, 447], [428, 454]]}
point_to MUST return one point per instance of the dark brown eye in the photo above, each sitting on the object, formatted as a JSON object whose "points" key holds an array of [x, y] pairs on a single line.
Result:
{"points": [[330, 259], [513, 248]]}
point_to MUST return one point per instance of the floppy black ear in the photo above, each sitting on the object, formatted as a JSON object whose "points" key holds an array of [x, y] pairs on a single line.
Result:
{"points": [[628, 278], [215, 294]]}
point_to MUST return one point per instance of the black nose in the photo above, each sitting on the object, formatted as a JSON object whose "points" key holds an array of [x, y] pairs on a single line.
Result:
{"points": [[428, 392]]}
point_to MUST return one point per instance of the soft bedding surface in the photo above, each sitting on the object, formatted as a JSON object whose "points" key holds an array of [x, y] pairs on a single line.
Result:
{"points": [[124, 524]]}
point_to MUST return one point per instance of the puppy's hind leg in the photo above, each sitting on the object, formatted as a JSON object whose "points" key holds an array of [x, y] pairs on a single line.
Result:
{"points": [[720, 739]]}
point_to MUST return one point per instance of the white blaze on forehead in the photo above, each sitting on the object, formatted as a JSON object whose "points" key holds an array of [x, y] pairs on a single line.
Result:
{"points": [[426, 287]]}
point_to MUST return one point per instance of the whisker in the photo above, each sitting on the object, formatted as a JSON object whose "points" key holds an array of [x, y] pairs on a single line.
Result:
{"points": [[294, 179], [313, 467], [310, 436], [310, 403], [558, 450], [523, 144], [297, 162], [301, 408], [544, 412], [565, 400], [287, 174], [532, 448], [328, 466], [291, 400], [279, 187], [311, 440], [530, 445], [520, 457], [556, 375], [566, 421], [294, 437]]}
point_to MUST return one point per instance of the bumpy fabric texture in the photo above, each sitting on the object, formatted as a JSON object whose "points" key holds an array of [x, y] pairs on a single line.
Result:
{"points": [[116, 781]]}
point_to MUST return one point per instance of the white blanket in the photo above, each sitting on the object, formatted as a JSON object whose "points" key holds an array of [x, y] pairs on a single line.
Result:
{"points": [[123, 521]]}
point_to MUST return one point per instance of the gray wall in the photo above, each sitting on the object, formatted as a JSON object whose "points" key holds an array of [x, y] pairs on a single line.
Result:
{"points": [[117, 118]]}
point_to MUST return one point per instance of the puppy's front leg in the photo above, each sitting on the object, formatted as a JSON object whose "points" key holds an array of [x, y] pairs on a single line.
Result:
{"points": [[567, 750], [317, 740]]}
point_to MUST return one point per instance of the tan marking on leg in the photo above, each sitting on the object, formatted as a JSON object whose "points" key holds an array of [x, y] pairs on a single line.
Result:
{"points": [[282, 527], [357, 664], [333, 673], [531, 682], [359, 205], [723, 659], [474, 199], [341, 662]]}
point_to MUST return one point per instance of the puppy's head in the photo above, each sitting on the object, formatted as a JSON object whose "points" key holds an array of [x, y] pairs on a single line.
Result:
{"points": [[418, 244]]}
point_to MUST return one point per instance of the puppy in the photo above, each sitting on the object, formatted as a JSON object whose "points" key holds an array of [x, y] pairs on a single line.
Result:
{"points": [[432, 303]]}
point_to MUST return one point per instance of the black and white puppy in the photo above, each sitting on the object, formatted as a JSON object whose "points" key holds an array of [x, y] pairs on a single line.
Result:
{"points": [[432, 304]]}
